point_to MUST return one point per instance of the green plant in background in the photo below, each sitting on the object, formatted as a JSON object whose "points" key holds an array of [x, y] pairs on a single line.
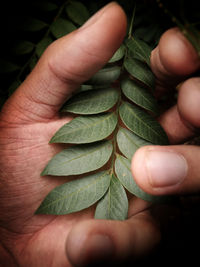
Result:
{"points": [[114, 112], [44, 21], [59, 26], [189, 29]]}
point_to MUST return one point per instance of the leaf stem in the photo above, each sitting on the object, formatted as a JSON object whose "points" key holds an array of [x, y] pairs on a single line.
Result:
{"points": [[131, 25], [114, 139]]}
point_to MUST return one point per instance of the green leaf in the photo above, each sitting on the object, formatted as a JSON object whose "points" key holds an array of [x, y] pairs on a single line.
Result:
{"points": [[32, 25], [129, 142], [75, 195], [142, 124], [139, 95], [86, 129], [140, 71], [8, 67], [92, 102], [61, 27], [139, 49], [149, 33], [123, 172], [114, 204], [87, 87], [77, 12], [42, 45], [118, 54], [105, 76], [23, 47], [79, 159]]}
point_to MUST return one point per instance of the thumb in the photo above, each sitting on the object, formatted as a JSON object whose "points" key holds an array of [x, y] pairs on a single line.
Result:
{"points": [[167, 170], [66, 64]]}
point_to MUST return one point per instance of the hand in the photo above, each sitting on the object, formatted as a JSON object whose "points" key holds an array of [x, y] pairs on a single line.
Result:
{"points": [[173, 169], [27, 122]]}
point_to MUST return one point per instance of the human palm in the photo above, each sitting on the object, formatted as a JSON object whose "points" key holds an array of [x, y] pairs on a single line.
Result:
{"points": [[28, 151], [35, 240]]}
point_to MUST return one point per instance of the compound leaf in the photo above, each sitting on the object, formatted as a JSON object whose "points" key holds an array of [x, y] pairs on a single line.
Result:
{"points": [[61, 27], [140, 71], [114, 204], [105, 76], [86, 129], [79, 159], [77, 12], [129, 142], [92, 101], [123, 172], [139, 49], [75, 195], [118, 54], [142, 124], [139, 95]]}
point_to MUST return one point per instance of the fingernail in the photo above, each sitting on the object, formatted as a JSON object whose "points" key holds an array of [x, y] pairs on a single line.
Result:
{"points": [[165, 168], [97, 15]]}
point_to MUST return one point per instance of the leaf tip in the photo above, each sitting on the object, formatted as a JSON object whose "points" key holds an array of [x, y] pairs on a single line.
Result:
{"points": [[52, 140], [38, 211], [44, 172]]}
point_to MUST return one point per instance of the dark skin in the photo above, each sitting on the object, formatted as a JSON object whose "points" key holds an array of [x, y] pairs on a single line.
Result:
{"points": [[30, 118]]}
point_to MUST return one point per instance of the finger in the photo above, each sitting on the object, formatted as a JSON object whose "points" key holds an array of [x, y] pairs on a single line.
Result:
{"points": [[173, 59], [176, 129], [182, 121], [167, 170], [174, 169], [67, 63], [98, 241]]}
